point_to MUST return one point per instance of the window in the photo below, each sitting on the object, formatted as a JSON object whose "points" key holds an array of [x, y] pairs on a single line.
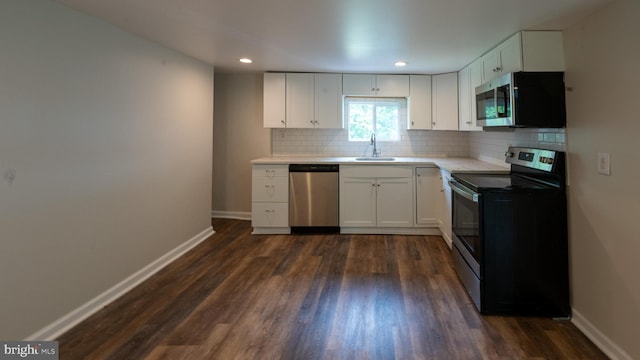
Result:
{"points": [[382, 116]]}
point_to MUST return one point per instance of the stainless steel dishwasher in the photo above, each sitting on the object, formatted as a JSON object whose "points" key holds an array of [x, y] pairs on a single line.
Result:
{"points": [[313, 198]]}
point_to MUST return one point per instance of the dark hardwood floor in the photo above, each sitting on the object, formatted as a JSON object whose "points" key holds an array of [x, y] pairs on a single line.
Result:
{"points": [[243, 296]]}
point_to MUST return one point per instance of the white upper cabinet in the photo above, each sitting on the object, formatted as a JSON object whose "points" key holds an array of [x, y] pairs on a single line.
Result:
{"points": [[328, 101], [419, 102], [375, 85], [444, 105], [299, 101], [525, 51], [506, 57], [274, 110], [468, 79], [303, 100]]}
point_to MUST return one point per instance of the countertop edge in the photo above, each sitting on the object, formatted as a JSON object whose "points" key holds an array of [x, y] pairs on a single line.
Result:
{"points": [[452, 165]]}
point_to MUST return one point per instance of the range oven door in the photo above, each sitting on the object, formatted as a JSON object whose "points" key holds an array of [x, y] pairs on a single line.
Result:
{"points": [[466, 225]]}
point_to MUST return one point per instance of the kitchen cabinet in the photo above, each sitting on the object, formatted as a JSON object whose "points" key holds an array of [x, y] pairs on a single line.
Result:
{"points": [[444, 105], [444, 221], [505, 58], [375, 85], [468, 79], [309, 101], [270, 199], [299, 100], [314, 100], [376, 196], [328, 101], [419, 102], [274, 100], [525, 51], [428, 193]]}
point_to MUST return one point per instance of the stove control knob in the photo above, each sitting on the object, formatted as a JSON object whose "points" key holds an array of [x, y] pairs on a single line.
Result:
{"points": [[508, 154]]}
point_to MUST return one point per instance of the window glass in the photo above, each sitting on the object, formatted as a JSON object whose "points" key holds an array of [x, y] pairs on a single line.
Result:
{"points": [[367, 115]]}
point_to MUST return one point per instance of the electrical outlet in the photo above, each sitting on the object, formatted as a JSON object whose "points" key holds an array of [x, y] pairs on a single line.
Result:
{"points": [[604, 166]]}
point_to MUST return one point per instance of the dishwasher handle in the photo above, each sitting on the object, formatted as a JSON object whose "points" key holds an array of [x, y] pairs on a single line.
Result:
{"points": [[313, 168]]}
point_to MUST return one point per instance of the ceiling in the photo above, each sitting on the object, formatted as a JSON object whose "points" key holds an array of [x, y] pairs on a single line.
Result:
{"points": [[433, 36]]}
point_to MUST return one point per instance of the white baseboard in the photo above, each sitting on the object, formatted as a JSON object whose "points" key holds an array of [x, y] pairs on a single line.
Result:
{"points": [[611, 349], [238, 215], [63, 324]]}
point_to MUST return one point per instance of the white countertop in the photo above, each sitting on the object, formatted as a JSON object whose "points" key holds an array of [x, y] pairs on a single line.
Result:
{"points": [[453, 165]]}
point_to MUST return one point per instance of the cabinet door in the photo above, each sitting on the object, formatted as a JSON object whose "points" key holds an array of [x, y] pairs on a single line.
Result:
{"points": [[445, 213], [328, 101], [464, 98], [419, 102], [444, 89], [392, 85], [475, 79], [394, 202], [358, 202], [491, 64], [358, 84], [274, 98], [510, 55], [428, 193], [300, 97]]}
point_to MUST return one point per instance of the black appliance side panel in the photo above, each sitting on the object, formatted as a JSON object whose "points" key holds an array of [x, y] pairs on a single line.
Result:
{"points": [[525, 254], [540, 99]]}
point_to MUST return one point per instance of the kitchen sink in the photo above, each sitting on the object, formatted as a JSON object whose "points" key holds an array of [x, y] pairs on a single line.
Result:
{"points": [[375, 158]]}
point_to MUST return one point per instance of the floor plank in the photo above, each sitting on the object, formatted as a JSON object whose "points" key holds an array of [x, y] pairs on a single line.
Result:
{"points": [[243, 296]]}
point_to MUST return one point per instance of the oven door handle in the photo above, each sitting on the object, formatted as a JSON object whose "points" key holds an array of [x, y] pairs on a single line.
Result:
{"points": [[463, 191]]}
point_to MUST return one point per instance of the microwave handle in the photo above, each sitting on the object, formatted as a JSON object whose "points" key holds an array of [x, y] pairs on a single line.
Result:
{"points": [[460, 190]]}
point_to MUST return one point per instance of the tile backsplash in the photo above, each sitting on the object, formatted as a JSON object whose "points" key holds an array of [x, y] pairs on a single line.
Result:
{"points": [[334, 142], [491, 145], [485, 145]]}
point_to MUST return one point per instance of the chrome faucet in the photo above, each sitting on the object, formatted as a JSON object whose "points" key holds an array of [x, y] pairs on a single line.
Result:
{"points": [[373, 142]]}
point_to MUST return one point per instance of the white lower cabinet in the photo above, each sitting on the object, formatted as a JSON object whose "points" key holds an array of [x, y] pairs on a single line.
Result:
{"points": [[376, 196], [270, 199], [428, 193], [445, 207]]}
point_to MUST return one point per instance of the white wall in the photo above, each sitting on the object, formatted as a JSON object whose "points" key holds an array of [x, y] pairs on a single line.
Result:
{"points": [[602, 54], [238, 138], [105, 156]]}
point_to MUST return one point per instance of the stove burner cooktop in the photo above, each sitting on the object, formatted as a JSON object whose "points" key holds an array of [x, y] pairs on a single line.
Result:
{"points": [[480, 182]]}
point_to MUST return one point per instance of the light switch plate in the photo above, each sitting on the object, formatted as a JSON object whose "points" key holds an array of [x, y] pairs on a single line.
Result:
{"points": [[604, 166]]}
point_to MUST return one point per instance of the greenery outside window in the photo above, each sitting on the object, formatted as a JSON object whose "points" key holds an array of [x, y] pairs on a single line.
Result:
{"points": [[367, 115]]}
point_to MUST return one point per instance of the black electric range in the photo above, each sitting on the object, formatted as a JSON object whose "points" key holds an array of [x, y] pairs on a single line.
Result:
{"points": [[510, 235]]}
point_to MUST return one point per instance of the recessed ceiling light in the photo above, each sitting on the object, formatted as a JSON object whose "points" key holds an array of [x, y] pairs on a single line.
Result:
{"points": [[246, 60], [400, 63]]}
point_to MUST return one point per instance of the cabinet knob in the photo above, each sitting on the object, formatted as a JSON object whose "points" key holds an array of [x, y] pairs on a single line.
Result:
{"points": [[282, 121]]}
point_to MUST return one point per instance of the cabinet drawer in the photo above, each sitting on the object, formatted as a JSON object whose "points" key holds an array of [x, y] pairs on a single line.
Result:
{"points": [[270, 170], [270, 214], [376, 171], [270, 189]]}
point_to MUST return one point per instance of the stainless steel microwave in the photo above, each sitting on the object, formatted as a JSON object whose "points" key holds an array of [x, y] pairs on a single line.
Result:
{"points": [[522, 99]]}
